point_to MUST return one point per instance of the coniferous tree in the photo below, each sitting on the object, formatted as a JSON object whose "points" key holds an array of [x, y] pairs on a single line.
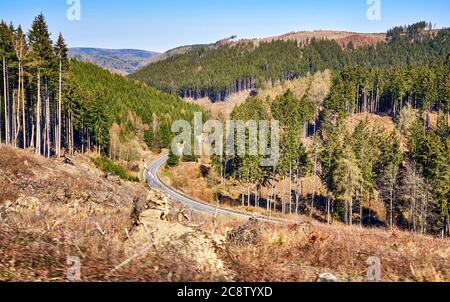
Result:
{"points": [[41, 55], [61, 53]]}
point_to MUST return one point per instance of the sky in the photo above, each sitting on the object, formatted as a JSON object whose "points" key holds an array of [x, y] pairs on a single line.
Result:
{"points": [[159, 25]]}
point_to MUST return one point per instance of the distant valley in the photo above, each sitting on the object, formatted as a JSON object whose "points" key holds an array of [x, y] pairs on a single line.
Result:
{"points": [[120, 61]]}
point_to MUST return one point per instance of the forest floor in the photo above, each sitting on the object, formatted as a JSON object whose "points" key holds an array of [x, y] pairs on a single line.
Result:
{"points": [[51, 210]]}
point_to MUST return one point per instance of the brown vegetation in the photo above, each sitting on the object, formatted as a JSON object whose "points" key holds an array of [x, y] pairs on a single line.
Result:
{"points": [[51, 210], [124, 232], [343, 38]]}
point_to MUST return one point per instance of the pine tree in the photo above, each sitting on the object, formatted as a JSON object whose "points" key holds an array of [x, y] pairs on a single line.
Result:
{"points": [[173, 160], [61, 52], [41, 57], [347, 178], [389, 171], [7, 57]]}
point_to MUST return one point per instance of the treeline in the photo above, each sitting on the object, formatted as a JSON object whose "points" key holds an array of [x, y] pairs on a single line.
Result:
{"points": [[407, 169], [388, 89], [217, 73], [57, 107]]}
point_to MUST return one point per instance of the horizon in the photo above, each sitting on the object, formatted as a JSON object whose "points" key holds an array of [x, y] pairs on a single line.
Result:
{"points": [[158, 26]]}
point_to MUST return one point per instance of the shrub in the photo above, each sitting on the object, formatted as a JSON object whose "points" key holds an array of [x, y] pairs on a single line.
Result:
{"points": [[173, 160], [108, 166]]}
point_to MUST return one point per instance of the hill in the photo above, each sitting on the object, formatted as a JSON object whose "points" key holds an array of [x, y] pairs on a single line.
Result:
{"points": [[175, 51], [115, 108], [90, 216], [121, 61], [223, 69], [51, 210], [341, 37]]}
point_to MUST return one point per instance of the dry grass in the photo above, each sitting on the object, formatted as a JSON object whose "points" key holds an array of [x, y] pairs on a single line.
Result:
{"points": [[343, 38], [74, 202], [221, 110], [73, 211], [301, 253]]}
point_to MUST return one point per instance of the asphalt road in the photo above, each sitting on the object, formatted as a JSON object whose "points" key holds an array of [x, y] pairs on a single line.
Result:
{"points": [[153, 180]]}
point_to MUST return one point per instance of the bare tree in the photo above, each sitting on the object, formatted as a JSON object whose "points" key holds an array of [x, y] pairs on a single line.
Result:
{"points": [[59, 122], [47, 120], [38, 114], [5, 97]]}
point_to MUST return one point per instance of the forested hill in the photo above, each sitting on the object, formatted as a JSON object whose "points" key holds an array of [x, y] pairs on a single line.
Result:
{"points": [[52, 104], [99, 99], [217, 73], [121, 61]]}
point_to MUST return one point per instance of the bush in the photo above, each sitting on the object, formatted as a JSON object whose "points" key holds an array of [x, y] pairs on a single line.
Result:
{"points": [[173, 160], [108, 166], [190, 158]]}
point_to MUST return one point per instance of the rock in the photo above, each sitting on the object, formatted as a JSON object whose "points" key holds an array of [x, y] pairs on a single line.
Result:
{"points": [[5, 206], [327, 277], [67, 161], [22, 204], [182, 244], [156, 206], [247, 234]]}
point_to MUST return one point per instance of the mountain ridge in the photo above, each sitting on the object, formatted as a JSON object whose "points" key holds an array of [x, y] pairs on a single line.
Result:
{"points": [[120, 61]]}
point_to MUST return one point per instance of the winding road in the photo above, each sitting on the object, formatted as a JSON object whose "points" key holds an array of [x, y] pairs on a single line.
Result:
{"points": [[153, 180]]}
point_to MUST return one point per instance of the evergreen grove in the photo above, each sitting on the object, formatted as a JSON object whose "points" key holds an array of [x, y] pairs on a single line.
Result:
{"points": [[51, 104], [406, 78]]}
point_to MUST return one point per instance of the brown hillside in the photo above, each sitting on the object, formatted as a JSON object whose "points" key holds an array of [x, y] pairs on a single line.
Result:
{"points": [[342, 37]]}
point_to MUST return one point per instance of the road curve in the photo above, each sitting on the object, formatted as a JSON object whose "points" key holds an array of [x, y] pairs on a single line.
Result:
{"points": [[153, 180]]}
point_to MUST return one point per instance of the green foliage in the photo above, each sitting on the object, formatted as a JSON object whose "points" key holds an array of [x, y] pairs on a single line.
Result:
{"points": [[388, 89], [173, 160], [40, 45], [99, 98], [218, 72], [108, 166], [430, 150]]}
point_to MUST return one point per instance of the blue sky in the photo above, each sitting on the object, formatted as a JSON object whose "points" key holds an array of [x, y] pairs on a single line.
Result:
{"points": [[159, 25]]}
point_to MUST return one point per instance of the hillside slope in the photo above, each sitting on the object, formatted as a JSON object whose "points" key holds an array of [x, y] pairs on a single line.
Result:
{"points": [[51, 211], [175, 51], [216, 72], [103, 100], [121, 61], [114, 228], [341, 37]]}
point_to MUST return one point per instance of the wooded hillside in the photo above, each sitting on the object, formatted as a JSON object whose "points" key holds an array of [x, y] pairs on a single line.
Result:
{"points": [[217, 73], [51, 104]]}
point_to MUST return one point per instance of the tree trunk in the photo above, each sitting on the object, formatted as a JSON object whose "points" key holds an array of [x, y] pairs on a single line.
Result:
{"points": [[313, 197], [5, 96], [47, 119], [38, 115], [361, 207], [13, 119], [72, 144], [24, 126], [59, 136], [290, 187], [248, 187], [350, 215], [391, 217], [328, 208]]}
